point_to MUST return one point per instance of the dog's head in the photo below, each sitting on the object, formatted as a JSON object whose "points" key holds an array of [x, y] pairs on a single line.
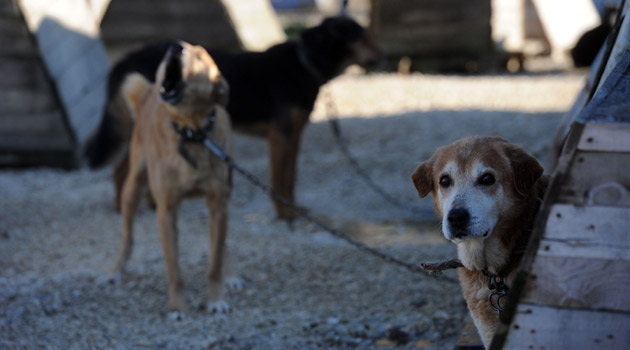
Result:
{"points": [[190, 83], [479, 185], [339, 42]]}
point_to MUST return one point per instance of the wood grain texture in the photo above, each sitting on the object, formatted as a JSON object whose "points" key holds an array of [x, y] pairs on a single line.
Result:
{"points": [[130, 24], [424, 28], [589, 232], [579, 283], [605, 137], [590, 169], [542, 327]]}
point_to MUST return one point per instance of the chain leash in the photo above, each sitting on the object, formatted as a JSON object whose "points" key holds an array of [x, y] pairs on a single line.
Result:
{"points": [[331, 111], [213, 146]]}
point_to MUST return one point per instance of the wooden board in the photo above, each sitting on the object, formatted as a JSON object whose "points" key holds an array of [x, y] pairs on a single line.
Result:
{"points": [[592, 169], [432, 27], [605, 137], [543, 327], [596, 232], [597, 284], [33, 129], [130, 24], [622, 43]]}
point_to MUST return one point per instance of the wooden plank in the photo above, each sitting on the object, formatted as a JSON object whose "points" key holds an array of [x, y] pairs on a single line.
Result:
{"points": [[592, 169], [589, 232], [425, 28], [579, 283], [12, 27], [35, 144], [622, 44], [47, 155], [22, 73], [8, 8], [47, 124], [542, 327], [580, 249], [217, 33], [605, 137], [22, 47], [26, 101], [177, 9]]}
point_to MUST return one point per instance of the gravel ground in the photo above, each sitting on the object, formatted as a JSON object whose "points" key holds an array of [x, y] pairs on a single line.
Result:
{"points": [[304, 288]]}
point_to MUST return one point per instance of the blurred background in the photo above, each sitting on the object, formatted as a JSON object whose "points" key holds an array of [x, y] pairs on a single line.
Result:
{"points": [[56, 54]]}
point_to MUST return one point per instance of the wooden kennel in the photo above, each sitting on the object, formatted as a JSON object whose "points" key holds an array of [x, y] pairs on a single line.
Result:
{"points": [[572, 285]]}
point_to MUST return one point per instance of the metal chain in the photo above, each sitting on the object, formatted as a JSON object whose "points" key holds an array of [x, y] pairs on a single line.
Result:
{"points": [[213, 146], [332, 113]]}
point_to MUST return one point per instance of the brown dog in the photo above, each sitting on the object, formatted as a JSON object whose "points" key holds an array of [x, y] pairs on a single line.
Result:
{"points": [[272, 92], [184, 96], [486, 191]]}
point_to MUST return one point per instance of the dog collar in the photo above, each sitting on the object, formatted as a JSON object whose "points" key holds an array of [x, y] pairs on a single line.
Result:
{"points": [[187, 134], [308, 65]]}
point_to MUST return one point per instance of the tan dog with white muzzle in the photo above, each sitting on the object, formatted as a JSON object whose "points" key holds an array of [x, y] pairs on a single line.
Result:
{"points": [[166, 155], [486, 191]]}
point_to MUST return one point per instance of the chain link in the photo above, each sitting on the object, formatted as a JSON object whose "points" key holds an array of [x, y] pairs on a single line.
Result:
{"points": [[218, 151], [331, 111]]}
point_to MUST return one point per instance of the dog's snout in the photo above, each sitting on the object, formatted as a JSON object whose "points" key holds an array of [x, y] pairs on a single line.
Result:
{"points": [[458, 217]]}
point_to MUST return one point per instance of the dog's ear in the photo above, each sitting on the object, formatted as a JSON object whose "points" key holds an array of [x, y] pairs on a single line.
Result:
{"points": [[172, 89], [422, 178], [223, 92], [526, 169]]}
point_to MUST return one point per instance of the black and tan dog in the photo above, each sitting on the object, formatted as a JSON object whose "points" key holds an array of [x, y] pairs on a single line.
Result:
{"points": [[272, 93], [486, 191], [186, 95]]}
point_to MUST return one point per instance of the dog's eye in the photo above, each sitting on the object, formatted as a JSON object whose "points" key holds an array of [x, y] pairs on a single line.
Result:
{"points": [[486, 180], [445, 181]]}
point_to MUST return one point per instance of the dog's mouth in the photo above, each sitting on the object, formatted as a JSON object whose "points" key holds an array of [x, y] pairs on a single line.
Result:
{"points": [[460, 235]]}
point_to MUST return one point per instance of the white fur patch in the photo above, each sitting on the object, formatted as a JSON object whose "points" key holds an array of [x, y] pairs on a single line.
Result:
{"points": [[471, 253]]}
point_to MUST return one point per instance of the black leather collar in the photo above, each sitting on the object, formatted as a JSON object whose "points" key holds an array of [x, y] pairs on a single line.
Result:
{"points": [[187, 134]]}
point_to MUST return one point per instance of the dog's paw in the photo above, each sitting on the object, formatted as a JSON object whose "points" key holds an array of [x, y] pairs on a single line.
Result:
{"points": [[108, 280], [233, 284], [219, 307], [176, 316]]}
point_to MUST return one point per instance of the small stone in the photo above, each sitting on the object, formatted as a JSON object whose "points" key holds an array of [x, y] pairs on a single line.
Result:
{"points": [[332, 320], [209, 342], [441, 315]]}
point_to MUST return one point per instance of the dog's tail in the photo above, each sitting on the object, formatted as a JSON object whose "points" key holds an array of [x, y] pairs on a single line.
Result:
{"points": [[133, 90]]}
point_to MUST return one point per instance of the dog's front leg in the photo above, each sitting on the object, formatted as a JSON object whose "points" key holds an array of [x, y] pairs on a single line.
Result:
{"points": [[217, 264], [167, 206]]}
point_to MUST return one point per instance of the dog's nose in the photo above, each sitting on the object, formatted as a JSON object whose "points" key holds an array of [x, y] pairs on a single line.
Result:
{"points": [[458, 217]]}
